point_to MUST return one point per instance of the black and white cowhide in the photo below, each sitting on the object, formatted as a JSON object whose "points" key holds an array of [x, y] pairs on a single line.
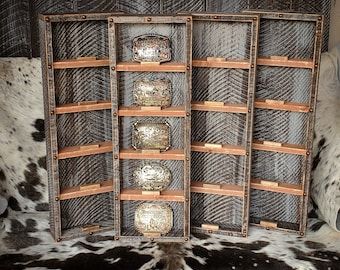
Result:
{"points": [[25, 241]]}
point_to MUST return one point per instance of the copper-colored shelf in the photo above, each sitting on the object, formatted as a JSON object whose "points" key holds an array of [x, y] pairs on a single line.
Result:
{"points": [[224, 189], [172, 154], [163, 67], [203, 63], [166, 195], [294, 149], [211, 107], [85, 150], [224, 149], [276, 187], [294, 63], [281, 105], [84, 106], [86, 190], [85, 62], [165, 112]]}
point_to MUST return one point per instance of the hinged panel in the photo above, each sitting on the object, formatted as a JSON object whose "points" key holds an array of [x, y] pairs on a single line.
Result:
{"points": [[224, 64], [285, 100], [137, 111]]}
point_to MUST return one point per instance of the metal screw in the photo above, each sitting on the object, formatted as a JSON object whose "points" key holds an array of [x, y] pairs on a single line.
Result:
{"points": [[188, 114], [244, 235], [215, 17], [209, 231], [186, 199], [302, 234], [111, 20], [90, 233], [188, 67], [187, 159], [52, 112], [116, 238], [307, 153], [115, 114], [188, 19], [316, 65], [247, 153], [186, 239], [83, 17], [56, 199], [47, 19], [254, 19], [116, 157], [55, 157], [249, 111], [252, 65], [116, 197], [320, 18], [151, 239], [148, 19], [58, 240], [311, 110], [49, 66], [280, 15], [113, 68]]}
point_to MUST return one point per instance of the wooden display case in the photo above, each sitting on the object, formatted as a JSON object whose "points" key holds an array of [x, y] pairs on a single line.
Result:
{"points": [[224, 66], [124, 72], [78, 123], [287, 79]]}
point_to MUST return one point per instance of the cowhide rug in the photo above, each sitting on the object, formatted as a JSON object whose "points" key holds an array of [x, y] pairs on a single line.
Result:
{"points": [[25, 241]]}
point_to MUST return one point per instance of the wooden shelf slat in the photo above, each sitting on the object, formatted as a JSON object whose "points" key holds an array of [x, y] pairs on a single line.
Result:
{"points": [[203, 63], [81, 63], [163, 67], [86, 190], [166, 195], [231, 108], [294, 149], [294, 63], [283, 106], [225, 189], [84, 106], [172, 154], [279, 187], [137, 111], [225, 149], [85, 150]]}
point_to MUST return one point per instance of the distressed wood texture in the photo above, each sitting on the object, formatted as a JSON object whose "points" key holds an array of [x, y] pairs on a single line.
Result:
{"points": [[19, 19], [285, 100], [222, 127], [123, 73], [78, 124]]}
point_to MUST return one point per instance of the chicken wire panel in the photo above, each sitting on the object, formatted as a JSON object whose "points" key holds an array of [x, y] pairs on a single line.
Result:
{"points": [[80, 39], [294, 39], [139, 6], [217, 168], [276, 207], [84, 128], [176, 167], [126, 32], [81, 84], [174, 6], [226, 6], [286, 84], [128, 209], [85, 170], [280, 126], [279, 167], [127, 81], [176, 130], [226, 212], [229, 40], [223, 85], [89, 210], [219, 127]]}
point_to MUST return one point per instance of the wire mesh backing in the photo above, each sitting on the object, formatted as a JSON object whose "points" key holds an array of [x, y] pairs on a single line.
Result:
{"points": [[281, 83], [85, 170], [83, 84], [128, 79], [225, 85], [128, 209], [279, 167], [226, 212], [282, 209], [217, 168], [80, 39], [280, 126], [85, 211], [83, 128]]}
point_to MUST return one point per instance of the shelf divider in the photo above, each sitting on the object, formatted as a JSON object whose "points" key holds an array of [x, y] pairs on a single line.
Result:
{"points": [[216, 107], [294, 149], [83, 62], [281, 105], [285, 62], [84, 106], [164, 112], [222, 149], [223, 189], [172, 154], [166, 195], [204, 63], [163, 67], [85, 150], [273, 186]]}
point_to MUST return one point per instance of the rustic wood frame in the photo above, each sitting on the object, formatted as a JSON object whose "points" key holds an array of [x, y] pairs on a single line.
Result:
{"points": [[304, 150], [115, 68], [51, 112], [247, 109]]}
